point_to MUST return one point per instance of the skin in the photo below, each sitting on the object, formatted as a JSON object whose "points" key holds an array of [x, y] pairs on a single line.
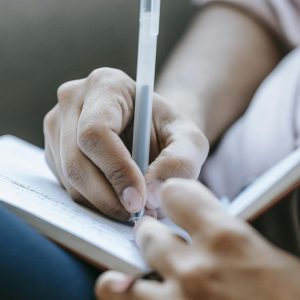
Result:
{"points": [[227, 259], [206, 85], [215, 70], [205, 88], [88, 138]]}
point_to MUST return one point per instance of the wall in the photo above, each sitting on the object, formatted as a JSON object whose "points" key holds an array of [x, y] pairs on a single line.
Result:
{"points": [[44, 43]]}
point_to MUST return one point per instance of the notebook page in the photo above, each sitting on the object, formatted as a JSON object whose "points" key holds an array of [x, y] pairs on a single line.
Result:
{"points": [[27, 183]]}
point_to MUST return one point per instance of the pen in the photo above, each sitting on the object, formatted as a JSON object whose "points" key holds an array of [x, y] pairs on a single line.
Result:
{"points": [[148, 32]]}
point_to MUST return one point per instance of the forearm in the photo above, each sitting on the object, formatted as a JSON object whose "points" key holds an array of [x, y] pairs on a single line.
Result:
{"points": [[214, 72]]}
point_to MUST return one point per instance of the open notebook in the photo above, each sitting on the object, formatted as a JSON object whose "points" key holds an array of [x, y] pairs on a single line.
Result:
{"points": [[28, 188], [31, 191]]}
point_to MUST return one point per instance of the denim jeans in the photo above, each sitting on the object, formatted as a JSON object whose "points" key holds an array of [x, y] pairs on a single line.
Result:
{"points": [[32, 267]]}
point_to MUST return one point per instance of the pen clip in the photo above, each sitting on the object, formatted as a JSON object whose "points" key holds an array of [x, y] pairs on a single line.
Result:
{"points": [[155, 16]]}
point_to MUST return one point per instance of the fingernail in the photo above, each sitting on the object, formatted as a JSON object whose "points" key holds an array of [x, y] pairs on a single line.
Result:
{"points": [[153, 194], [131, 200], [120, 286]]}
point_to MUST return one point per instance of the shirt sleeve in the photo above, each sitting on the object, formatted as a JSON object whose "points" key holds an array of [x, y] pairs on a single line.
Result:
{"points": [[282, 17]]}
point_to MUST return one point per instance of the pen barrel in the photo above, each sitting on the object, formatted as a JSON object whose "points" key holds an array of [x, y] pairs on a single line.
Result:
{"points": [[142, 131], [144, 92], [146, 51]]}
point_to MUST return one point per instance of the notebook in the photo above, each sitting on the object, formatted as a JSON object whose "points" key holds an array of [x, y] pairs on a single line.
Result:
{"points": [[28, 188]]}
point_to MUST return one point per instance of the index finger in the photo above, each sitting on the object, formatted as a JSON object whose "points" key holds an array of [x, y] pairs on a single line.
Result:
{"points": [[159, 245], [106, 112], [192, 206]]}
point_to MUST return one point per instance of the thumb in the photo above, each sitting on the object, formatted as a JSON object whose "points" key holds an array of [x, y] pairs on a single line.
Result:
{"points": [[182, 157]]}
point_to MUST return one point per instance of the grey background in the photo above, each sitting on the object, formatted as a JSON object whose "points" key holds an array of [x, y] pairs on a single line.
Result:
{"points": [[47, 42]]}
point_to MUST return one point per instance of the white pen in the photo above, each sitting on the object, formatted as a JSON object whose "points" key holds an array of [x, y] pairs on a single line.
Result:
{"points": [[149, 28]]}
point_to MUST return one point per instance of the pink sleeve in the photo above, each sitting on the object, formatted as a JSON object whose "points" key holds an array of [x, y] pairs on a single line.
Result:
{"points": [[281, 16]]}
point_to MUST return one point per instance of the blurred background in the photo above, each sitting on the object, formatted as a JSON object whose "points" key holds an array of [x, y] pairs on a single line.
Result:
{"points": [[47, 42]]}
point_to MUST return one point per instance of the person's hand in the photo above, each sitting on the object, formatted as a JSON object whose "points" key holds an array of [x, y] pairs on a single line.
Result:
{"points": [[226, 260], [88, 138]]}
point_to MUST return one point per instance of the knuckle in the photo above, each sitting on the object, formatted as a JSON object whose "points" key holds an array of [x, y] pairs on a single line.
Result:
{"points": [[190, 276], [88, 136], [72, 172], [100, 73], [120, 88], [124, 101], [106, 74], [114, 80], [65, 93], [228, 238], [223, 237], [110, 116], [181, 166]]}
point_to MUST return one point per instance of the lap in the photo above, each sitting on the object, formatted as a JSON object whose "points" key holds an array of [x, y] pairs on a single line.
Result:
{"points": [[32, 267]]}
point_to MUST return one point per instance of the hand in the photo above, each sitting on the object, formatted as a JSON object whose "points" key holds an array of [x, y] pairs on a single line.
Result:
{"points": [[88, 137], [226, 260]]}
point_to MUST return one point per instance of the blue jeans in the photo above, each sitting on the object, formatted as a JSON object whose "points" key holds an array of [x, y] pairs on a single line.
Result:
{"points": [[32, 267]]}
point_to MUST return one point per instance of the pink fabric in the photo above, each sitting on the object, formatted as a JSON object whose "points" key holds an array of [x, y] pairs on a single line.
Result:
{"points": [[268, 131], [281, 16]]}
